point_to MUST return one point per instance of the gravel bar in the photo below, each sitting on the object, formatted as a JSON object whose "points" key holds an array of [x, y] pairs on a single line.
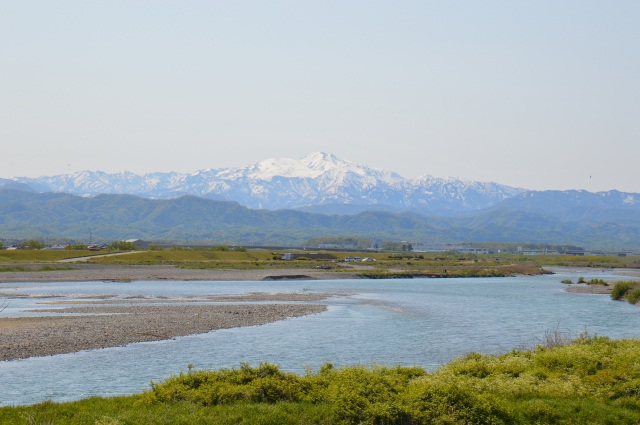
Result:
{"points": [[113, 326]]}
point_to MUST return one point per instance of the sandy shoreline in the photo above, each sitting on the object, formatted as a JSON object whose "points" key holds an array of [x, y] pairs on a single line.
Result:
{"points": [[589, 289], [598, 289], [123, 321]]}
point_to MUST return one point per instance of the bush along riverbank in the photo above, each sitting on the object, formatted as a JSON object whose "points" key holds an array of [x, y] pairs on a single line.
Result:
{"points": [[592, 380], [628, 290], [623, 290]]}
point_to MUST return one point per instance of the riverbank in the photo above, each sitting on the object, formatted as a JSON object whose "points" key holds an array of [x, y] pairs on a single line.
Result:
{"points": [[601, 289], [598, 288], [591, 380], [250, 271]]}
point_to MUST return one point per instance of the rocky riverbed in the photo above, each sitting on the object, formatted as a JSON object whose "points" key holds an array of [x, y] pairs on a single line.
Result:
{"points": [[116, 325], [115, 320]]}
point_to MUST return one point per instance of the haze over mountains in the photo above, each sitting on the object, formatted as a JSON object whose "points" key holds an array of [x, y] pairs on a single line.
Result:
{"points": [[332, 197], [319, 179]]}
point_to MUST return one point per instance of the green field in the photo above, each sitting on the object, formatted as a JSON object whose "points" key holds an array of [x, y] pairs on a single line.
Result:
{"points": [[42, 255], [386, 265], [593, 380]]}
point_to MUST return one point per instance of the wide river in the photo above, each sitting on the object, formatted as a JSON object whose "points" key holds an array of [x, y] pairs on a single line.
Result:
{"points": [[416, 322]]}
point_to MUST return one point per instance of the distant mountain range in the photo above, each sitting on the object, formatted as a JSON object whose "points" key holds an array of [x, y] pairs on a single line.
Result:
{"points": [[319, 182], [286, 201]]}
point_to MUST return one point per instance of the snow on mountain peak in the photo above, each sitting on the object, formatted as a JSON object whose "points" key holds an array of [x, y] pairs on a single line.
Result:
{"points": [[311, 166], [318, 178], [321, 160]]}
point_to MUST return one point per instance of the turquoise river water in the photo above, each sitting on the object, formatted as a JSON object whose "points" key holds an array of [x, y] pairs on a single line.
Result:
{"points": [[413, 322]]}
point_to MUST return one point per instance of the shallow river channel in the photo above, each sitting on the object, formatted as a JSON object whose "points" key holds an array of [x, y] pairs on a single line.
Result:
{"points": [[417, 322]]}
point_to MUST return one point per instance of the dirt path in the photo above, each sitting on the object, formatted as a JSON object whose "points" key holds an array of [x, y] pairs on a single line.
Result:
{"points": [[90, 257]]}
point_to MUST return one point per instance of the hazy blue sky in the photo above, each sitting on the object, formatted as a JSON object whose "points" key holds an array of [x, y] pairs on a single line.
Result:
{"points": [[538, 94]]}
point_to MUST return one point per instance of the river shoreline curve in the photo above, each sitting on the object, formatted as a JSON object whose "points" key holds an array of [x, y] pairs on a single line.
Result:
{"points": [[104, 326]]}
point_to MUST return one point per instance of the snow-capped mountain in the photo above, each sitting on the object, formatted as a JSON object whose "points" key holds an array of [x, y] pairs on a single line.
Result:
{"points": [[318, 179]]}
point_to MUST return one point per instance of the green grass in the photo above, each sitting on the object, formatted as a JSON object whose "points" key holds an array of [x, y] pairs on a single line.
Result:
{"points": [[386, 265], [12, 269], [130, 410], [42, 256], [185, 257], [590, 261], [593, 380], [34, 269], [54, 268]]}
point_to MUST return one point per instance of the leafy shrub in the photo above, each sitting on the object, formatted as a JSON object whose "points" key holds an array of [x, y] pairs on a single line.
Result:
{"points": [[263, 384], [121, 246], [447, 402], [31, 244], [362, 395], [355, 393], [627, 289], [620, 289], [633, 295], [591, 380]]}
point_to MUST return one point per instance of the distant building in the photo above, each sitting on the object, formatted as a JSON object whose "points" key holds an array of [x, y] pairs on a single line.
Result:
{"points": [[470, 250], [610, 253], [538, 251], [139, 243], [421, 247], [57, 247]]}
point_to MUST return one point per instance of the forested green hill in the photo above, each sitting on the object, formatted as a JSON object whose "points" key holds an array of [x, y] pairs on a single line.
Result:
{"points": [[57, 215]]}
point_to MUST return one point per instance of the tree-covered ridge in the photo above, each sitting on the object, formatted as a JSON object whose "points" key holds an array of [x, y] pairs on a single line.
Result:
{"points": [[25, 215]]}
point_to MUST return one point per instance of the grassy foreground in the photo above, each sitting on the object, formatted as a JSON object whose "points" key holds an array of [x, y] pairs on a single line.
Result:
{"points": [[593, 380]]}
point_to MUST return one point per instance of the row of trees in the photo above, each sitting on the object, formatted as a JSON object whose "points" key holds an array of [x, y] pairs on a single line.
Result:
{"points": [[28, 244]]}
